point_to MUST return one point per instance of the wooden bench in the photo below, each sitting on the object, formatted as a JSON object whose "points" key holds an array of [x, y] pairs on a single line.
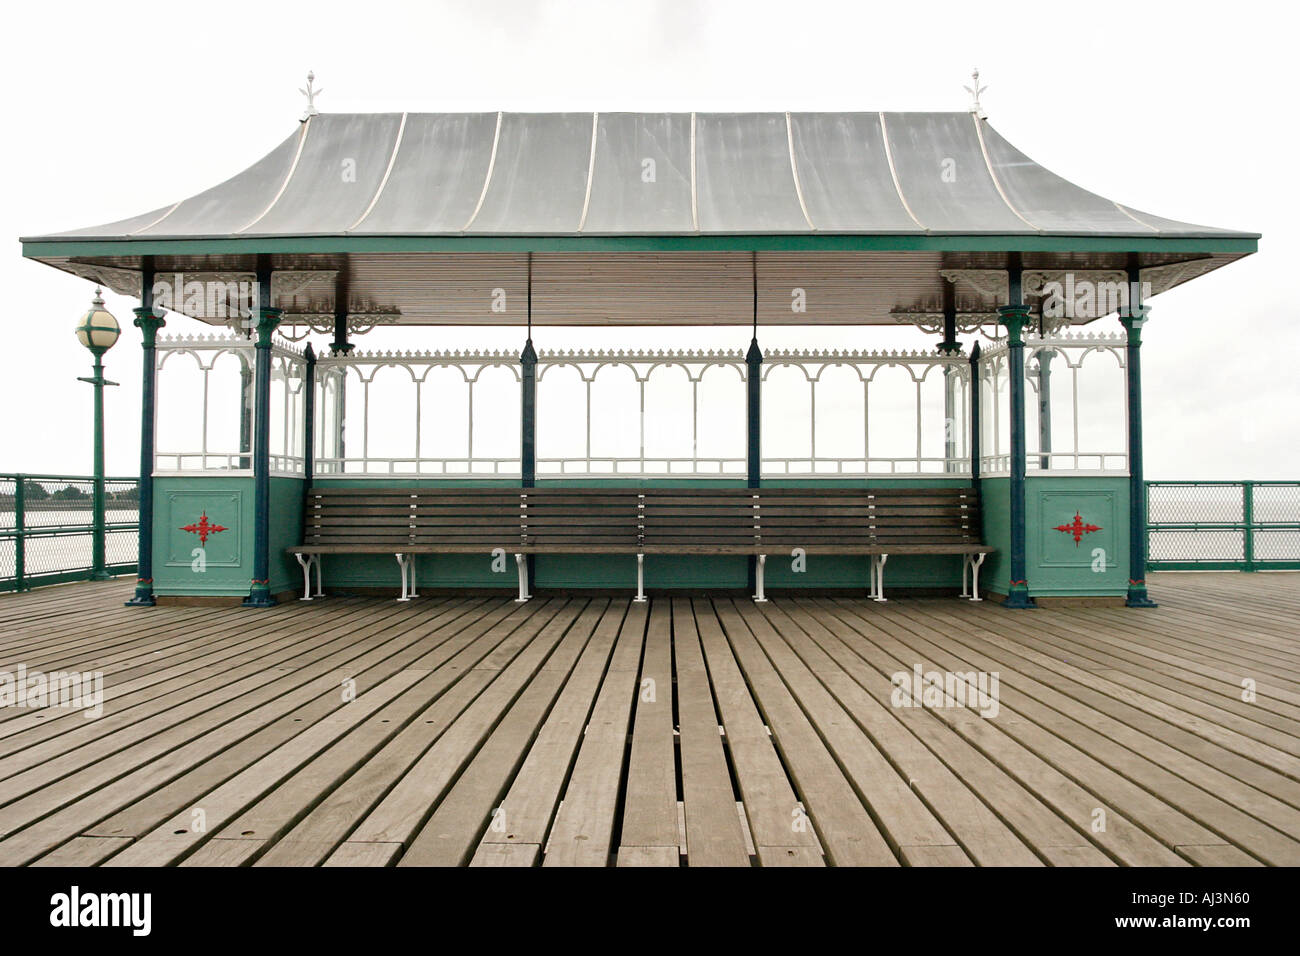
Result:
{"points": [[405, 522], [876, 522]]}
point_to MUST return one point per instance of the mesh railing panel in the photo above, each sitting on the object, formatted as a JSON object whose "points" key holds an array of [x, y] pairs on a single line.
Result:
{"points": [[1235, 525], [47, 527], [1190, 503]]}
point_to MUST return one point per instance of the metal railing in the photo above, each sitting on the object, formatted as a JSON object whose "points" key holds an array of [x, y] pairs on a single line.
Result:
{"points": [[1223, 525], [48, 528]]}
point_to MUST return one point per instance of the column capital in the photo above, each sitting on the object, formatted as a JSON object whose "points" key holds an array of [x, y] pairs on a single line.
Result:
{"points": [[266, 321], [1014, 317], [529, 355], [148, 322], [1133, 318], [755, 355]]}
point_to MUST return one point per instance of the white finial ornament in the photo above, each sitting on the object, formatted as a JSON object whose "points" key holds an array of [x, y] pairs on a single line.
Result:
{"points": [[311, 97], [975, 92]]}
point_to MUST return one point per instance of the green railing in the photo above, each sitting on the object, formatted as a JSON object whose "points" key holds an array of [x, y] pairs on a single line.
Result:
{"points": [[48, 528], [1223, 525]]}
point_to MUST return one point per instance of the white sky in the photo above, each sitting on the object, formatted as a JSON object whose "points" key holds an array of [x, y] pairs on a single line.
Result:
{"points": [[1173, 108]]}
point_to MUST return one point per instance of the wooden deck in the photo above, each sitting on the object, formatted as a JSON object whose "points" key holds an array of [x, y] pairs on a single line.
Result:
{"points": [[708, 731]]}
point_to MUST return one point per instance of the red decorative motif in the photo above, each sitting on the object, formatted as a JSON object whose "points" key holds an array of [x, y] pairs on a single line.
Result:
{"points": [[203, 528], [1077, 528]]}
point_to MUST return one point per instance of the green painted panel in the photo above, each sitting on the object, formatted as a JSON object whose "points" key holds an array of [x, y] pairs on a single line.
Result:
{"points": [[995, 508], [285, 530], [224, 565], [1098, 564], [1095, 567]]}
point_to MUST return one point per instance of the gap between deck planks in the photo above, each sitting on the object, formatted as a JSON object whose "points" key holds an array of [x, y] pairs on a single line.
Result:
{"points": [[705, 731]]}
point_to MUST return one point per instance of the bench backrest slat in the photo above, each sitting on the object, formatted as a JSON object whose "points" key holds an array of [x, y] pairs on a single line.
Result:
{"points": [[574, 519]]}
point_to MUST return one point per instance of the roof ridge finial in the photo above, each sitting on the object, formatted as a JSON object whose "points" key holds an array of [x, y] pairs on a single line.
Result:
{"points": [[975, 92], [311, 97]]}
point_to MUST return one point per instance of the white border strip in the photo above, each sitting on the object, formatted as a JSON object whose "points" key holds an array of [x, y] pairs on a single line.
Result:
{"points": [[392, 161], [174, 207], [695, 205], [591, 171], [988, 164], [293, 167], [893, 172], [487, 180], [794, 171], [1135, 218]]}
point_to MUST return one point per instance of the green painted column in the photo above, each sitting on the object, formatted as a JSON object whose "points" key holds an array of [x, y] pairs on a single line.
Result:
{"points": [[528, 415], [267, 319], [753, 430], [1014, 317], [528, 430], [1133, 318], [148, 324], [754, 413]]}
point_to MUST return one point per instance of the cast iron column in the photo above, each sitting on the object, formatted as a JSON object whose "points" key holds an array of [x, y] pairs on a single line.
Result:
{"points": [[259, 594], [528, 416], [753, 431], [149, 324], [1133, 318], [1014, 317]]}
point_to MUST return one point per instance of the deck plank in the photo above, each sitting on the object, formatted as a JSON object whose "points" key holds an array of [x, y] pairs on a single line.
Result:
{"points": [[650, 807], [707, 730], [713, 833]]}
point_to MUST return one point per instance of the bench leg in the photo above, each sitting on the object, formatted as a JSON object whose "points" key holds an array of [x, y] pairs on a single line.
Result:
{"points": [[759, 596], [965, 575], [401, 563], [879, 566], [975, 561], [640, 579], [304, 561], [320, 592], [521, 563], [412, 562]]}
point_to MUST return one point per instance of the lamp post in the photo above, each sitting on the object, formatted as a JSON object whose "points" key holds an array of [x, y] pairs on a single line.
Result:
{"points": [[98, 330]]}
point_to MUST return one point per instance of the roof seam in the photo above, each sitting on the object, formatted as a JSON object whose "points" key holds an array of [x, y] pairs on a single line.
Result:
{"points": [[392, 161], [997, 184], [174, 207], [591, 171], [695, 205], [1135, 218], [293, 168], [794, 172], [487, 180], [893, 172]]}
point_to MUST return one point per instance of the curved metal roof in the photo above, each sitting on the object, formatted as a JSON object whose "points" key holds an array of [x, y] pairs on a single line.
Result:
{"points": [[644, 174]]}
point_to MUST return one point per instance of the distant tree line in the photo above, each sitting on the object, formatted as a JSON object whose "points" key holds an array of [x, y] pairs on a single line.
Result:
{"points": [[35, 491]]}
